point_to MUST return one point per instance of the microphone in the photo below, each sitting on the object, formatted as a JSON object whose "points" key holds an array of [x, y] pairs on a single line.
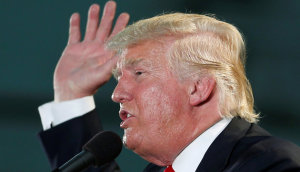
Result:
{"points": [[102, 148]]}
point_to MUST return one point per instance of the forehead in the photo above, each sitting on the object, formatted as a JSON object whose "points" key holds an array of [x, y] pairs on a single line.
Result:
{"points": [[147, 53]]}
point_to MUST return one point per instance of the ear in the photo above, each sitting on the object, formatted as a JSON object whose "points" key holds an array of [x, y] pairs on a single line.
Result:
{"points": [[201, 90]]}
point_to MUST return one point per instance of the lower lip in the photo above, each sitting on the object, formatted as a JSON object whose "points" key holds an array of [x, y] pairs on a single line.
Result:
{"points": [[125, 123]]}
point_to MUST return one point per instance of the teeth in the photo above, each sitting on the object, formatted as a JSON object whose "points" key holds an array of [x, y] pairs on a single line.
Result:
{"points": [[128, 115]]}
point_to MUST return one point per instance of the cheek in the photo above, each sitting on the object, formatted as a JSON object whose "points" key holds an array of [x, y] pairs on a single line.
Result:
{"points": [[158, 105]]}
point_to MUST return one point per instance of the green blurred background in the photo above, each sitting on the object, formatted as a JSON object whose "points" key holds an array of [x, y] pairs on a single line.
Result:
{"points": [[34, 33]]}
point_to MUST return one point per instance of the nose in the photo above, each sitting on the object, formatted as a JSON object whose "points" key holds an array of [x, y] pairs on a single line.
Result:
{"points": [[122, 93]]}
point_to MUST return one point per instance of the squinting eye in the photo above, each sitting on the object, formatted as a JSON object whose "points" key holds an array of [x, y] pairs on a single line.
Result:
{"points": [[138, 72]]}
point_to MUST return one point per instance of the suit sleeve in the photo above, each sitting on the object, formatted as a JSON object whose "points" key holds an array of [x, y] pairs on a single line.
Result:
{"points": [[63, 141]]}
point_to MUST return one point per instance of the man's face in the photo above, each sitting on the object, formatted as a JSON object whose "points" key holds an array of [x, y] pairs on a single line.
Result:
{"points": [[153, 102]]}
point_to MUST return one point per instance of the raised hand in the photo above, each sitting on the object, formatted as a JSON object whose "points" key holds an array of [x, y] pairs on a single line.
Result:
{"points": [[86, 65]]}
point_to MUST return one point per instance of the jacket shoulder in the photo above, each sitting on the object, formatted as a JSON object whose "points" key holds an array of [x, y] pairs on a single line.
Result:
{"points": [[259, 151]]}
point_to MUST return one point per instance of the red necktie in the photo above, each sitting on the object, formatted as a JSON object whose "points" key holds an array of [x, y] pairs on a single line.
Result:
{"points": [[169, 169]]}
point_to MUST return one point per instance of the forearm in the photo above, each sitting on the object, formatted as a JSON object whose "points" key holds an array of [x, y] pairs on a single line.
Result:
{"points": [[65, 140]]}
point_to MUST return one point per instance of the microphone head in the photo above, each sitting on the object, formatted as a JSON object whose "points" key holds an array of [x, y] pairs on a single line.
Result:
{"points": [[105, 146]]}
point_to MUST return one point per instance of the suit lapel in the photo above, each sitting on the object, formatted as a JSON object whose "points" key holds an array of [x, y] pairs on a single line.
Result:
{"points": [[217, 155]]}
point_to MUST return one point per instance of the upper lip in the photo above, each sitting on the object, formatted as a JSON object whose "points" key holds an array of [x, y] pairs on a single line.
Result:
{"points": [[123, 114]]}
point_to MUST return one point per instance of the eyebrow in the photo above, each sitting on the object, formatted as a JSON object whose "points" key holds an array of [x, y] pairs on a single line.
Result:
{"points": [[132, 61]]}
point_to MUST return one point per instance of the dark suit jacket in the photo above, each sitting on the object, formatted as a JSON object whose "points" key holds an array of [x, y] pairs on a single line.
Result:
{"points": [[241, 147], [63, 141]]}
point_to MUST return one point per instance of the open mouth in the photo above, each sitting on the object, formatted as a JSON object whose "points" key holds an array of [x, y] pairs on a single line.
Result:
{"points": [[124, 115]]}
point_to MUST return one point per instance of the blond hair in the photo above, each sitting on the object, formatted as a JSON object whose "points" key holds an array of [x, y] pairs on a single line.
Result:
{"points": [[202, 44]]}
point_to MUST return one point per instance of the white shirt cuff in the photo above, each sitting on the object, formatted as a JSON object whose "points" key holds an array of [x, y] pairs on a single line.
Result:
{"points": [[54, 113]]}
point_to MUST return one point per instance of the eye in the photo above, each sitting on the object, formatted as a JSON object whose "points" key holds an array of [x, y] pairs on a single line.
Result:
{"points": [[138, 72]]}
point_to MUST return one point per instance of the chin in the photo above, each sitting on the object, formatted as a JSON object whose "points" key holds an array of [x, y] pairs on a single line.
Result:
{"points": [[129, 140], [125, 142]]}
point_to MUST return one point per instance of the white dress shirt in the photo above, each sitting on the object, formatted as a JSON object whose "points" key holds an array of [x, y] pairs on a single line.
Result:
{"points": [[188, 160]]}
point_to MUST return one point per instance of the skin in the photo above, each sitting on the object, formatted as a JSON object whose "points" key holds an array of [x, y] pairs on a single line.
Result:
{"points": [[86, 65], [164, 119], [168, 113], [142, 86]]}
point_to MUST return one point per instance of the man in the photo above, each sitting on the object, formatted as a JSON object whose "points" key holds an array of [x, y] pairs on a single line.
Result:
{"points": [[185, 101]]}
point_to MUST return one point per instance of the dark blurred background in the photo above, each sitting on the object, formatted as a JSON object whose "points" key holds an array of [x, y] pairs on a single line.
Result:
{"points": [[34, 33]]}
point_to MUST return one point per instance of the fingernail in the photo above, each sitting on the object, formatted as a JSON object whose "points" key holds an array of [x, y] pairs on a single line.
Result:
{"points": [[94, 7]]}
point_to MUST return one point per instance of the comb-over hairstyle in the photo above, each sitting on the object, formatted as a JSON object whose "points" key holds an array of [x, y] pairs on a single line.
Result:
{"points": [[202, 45]]}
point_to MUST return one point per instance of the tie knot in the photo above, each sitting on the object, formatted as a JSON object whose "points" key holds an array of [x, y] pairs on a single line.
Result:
{"points": [[169, 169]]}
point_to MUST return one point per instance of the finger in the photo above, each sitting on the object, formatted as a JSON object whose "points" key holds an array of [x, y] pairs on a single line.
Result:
{"points": [[92, 23], [121, 23], [74, 30], [106, 21]]}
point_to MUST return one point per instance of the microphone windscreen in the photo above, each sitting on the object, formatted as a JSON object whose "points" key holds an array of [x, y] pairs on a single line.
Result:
{"points": [[105, 146]]}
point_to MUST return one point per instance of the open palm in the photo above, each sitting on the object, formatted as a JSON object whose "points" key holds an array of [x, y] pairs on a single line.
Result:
{"points": [[86, 65]]}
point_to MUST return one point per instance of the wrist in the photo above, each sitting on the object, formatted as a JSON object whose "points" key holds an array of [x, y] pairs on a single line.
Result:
{"points": [[67, 95]]}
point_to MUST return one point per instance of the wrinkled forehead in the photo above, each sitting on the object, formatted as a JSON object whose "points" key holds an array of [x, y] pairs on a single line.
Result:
{"points": [[146, 53], [130, 61], [152, 61], [151, 54]]}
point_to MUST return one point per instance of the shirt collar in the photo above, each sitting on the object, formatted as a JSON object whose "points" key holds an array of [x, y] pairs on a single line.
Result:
{"points": [[192, 155]]}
